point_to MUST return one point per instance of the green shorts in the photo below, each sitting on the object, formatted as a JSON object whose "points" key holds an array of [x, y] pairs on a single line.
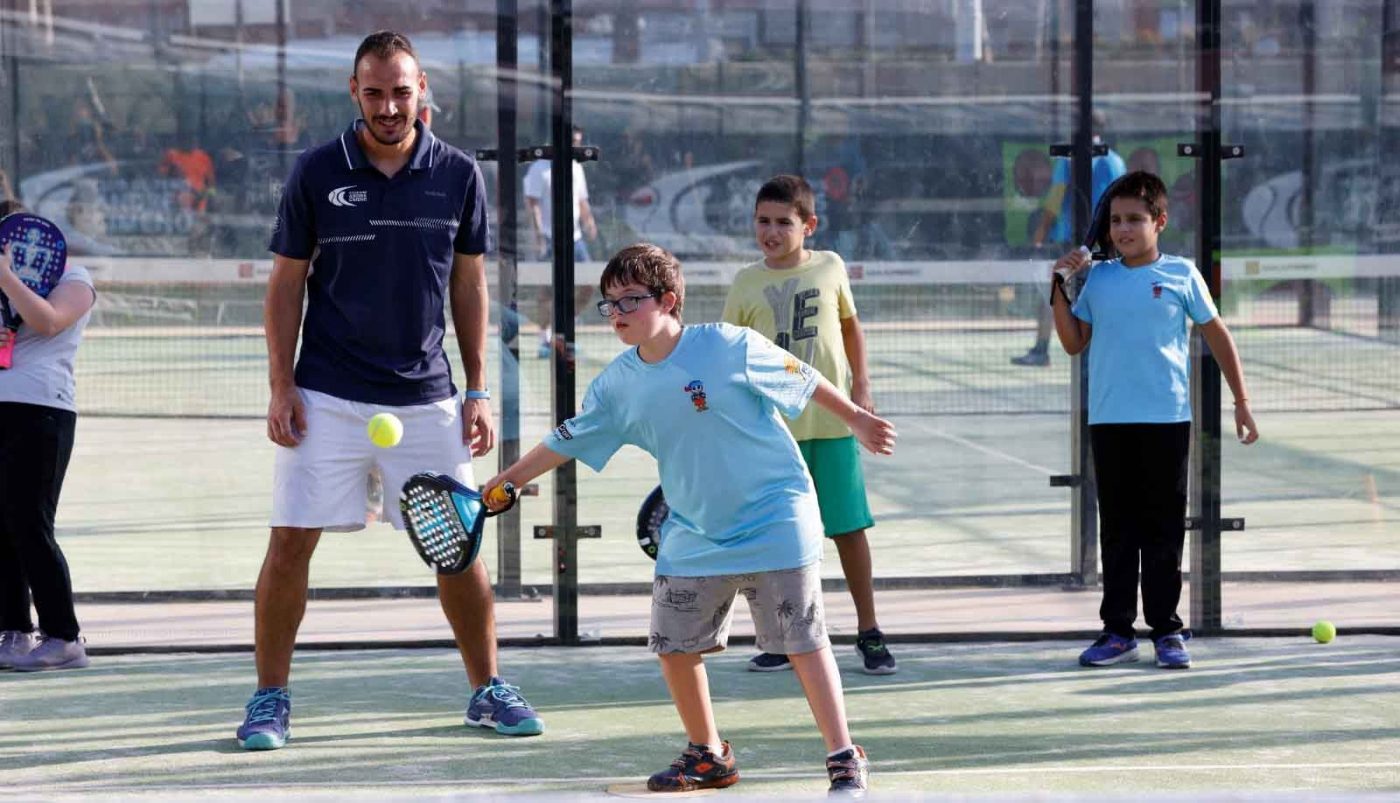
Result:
{"points": [[835, 467]]}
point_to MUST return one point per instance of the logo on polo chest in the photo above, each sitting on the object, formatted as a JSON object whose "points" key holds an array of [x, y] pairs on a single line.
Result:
{"points": [[347, 196], [696, 389], [1156, 289]]}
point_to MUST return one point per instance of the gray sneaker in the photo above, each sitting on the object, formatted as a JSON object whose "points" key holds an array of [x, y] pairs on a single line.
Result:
{"points": [[13, 645], [53, 653]]}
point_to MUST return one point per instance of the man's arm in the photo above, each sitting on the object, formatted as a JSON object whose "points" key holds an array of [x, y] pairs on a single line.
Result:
{"points": [[470, 313], [585, 219], [286, 290], [853, 338]]}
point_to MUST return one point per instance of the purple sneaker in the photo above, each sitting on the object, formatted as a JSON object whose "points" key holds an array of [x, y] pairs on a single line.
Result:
{"points": [[14, 644], [52, 653], [268, 725], [1109, 649]]}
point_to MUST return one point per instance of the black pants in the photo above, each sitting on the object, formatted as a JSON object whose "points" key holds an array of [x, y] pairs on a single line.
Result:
{"points": [[35, 444], [1141, 475]]}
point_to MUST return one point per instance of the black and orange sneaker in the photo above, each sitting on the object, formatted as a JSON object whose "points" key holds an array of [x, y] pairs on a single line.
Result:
{"points": [[697, 768], [849, 772]]}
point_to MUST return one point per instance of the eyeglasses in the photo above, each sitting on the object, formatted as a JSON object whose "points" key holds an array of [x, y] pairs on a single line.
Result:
{"points": [[622, 305]]}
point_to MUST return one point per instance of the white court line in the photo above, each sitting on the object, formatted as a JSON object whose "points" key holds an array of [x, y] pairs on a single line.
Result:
{"points": [[977, 447], [794, 774]]}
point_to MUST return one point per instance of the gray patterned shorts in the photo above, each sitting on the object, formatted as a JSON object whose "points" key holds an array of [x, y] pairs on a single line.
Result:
{"points": [[692, 614]]}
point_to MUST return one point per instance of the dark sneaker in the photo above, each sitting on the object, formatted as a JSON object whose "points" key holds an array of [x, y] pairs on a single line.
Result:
{"points": [[1032, 358], [52, 653], [268, 725], [1109, 649], [500, 706], [769, 662], [14, 644], [697, 768], [849, 772], [871, 646], [1171, 652]]}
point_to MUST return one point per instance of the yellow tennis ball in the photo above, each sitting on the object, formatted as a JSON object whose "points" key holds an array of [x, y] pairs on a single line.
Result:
{"points": [[385, 430], [1324, 631]]}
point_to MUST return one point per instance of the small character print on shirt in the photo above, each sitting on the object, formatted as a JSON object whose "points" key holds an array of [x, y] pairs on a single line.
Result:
{"points": [[562, 432], [1156, 289], [696, 389]]}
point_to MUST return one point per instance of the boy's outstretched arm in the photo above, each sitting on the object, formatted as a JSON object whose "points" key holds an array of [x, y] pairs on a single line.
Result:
{"points": [[539, 460], [873, 432], [1222, 346], [853, 338], [1074, 334]]}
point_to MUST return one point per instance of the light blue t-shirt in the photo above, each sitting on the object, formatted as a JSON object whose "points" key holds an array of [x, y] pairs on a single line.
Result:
{"points": [[740, 495], [1139, 355]]}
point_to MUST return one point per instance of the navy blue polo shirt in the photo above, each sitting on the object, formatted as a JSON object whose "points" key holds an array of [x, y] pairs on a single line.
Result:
{"points": [[381, 254]]}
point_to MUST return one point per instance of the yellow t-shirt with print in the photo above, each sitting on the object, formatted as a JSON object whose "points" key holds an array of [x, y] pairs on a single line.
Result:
{"points": [[801, 309]]}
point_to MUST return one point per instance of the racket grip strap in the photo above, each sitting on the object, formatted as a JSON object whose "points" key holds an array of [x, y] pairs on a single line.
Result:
{"points": [[7, 352]]}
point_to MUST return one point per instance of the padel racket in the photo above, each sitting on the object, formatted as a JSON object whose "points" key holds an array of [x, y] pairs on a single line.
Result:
{"points": [[444, 519], [1097, 244], [649, 519], [38, 254]]}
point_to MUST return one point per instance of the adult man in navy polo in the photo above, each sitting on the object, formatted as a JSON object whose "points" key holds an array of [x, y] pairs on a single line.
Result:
{"points": [[375, 229]]}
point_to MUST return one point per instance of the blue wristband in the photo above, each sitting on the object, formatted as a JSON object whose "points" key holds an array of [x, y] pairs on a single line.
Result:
{"points": [[479, 394]]}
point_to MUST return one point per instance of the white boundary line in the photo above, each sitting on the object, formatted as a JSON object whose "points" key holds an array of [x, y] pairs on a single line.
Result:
{"points": [[987, 450]]}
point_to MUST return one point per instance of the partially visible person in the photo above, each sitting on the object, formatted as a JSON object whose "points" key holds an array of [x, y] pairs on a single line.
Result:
{"points": [[539, 205], [38, 416], [1055, 227]]}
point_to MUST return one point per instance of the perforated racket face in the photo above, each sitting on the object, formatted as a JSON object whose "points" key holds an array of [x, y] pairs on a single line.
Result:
{"points": [[649, 520], [442, 524], [38, 250]]}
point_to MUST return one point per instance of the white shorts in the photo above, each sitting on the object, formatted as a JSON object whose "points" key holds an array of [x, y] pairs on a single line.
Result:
{"points": [[321, 483]]}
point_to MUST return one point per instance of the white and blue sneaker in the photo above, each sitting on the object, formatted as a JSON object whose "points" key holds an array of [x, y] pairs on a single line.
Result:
{"points": [[1171, 651], [268, 724]]}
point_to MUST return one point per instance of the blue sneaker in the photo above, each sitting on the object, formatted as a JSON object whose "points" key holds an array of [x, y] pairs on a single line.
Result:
{"points": [[1171, 652], [497, 705], [1109, 649], [269, 722]]}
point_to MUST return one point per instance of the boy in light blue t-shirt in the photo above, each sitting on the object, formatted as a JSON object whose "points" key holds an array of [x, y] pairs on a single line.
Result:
{"points": [[1136, 309], [707, 402]]}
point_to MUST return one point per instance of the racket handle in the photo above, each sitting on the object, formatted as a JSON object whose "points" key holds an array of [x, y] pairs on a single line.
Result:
{"points": [[1065, 273], [7, 351]]}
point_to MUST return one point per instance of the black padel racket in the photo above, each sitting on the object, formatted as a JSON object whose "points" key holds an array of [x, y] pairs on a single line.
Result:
{"points": [[649, 519], [1097, 243], [444, 519], [38, 253]]}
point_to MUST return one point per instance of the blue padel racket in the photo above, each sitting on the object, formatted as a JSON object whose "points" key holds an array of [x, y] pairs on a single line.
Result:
{"points": [[649, 520], [444, 519], [38, 253], [1096, 243]]}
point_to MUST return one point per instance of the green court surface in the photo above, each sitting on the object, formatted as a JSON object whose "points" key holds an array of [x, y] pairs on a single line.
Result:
{"points": [[1270, 717]]}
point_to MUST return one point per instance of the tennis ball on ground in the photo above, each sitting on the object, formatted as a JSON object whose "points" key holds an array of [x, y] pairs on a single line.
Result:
{"points": [[1324, 631], [385, 430]]}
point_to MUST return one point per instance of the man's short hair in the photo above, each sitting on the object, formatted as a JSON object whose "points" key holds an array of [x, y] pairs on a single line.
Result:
{"points": [[383, 45], [1145, 187], [791, 190], [650, 266]]}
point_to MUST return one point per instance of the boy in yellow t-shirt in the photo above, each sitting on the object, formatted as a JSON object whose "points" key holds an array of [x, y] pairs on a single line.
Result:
{"points": [[802, 301]]}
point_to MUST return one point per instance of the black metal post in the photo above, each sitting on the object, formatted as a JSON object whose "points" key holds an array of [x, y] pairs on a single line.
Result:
{"points": [[283, 102], [1311, 295], [507, 57], [1205, 379], [562, 198], [1084, 503], [1388, 287], [12, 68], [804, 95]]}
